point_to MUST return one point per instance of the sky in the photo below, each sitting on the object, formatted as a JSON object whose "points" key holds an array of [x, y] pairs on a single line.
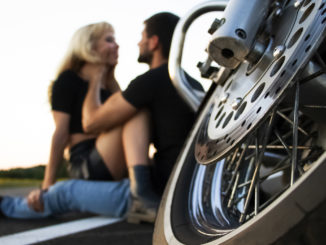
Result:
{"points": [[34, 37]]}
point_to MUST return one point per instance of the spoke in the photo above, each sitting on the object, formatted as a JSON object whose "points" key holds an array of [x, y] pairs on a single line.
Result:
{"points": [[284, 110], [285, 136], [235, 186], [277, 147], [240, 198], [256, 172], [265, 176], [295, 133], [315, 106], [257, 182], [281, 163], [282, 142], [244, 184], [236, 169], [291, 122], [233, 159], [274, 172], [270, 200], [252, 154], [256, 148], [312, 76], [257, 198]]}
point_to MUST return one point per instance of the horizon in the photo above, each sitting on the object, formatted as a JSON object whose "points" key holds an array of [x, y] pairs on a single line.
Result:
{"points": [[23, 167]]}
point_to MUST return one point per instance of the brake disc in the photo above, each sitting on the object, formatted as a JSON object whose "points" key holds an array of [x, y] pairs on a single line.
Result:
{"points": [[290, 37]]}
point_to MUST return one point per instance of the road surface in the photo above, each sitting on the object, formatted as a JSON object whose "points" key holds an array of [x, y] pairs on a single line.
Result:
{"points": [[88, 229]]}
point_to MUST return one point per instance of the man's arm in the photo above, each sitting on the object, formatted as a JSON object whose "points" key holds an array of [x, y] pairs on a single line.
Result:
{"points": [[97, 118]]}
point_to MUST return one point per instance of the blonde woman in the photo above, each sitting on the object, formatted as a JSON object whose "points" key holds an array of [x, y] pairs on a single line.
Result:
{"points": [[92, 156]]}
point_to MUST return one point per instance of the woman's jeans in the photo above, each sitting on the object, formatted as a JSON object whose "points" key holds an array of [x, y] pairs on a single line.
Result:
{"points": [[98, 197]]}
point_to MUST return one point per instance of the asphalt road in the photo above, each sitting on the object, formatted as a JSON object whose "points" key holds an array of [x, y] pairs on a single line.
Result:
{"points": [[310, 231], [120, 233]]}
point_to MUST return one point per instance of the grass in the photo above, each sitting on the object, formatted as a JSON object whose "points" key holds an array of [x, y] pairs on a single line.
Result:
{"points": [[16, 182], [12, 182]]}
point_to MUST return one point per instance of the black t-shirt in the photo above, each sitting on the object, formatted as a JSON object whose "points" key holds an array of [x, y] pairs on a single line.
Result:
{"points": [[68, 94], [171, 117]]}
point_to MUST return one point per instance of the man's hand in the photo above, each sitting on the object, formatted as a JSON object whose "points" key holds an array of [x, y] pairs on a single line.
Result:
{"points": [[96, 73], [34, 200]]}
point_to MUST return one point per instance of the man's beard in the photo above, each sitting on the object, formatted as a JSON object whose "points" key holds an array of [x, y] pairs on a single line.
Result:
{"points": [[145, 58]]}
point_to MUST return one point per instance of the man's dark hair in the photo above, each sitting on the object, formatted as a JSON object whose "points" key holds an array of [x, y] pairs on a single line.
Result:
{"points": [[162, 25]]}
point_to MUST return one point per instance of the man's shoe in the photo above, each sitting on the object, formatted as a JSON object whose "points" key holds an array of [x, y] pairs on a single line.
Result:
{"points": [[141, 211], [144, 201]]}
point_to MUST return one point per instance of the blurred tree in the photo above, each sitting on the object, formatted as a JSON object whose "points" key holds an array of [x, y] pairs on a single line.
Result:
{"points": [[36, 172]]}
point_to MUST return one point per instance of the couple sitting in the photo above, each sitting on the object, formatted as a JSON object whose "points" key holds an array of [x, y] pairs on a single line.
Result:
{"points": [[108, 132]]}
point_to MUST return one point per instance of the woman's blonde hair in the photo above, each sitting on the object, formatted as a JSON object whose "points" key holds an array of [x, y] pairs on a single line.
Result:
{"points": [[81, 48]]}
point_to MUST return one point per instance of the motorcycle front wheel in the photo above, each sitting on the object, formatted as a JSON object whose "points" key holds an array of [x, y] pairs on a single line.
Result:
{"points": [[250, 196]]}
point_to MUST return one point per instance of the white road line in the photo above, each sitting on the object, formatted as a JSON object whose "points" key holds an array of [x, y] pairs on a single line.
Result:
{"points": [[55, 231]]}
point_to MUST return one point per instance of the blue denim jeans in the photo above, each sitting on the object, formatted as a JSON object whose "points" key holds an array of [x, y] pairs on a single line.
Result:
{"points": [[98, 197]]}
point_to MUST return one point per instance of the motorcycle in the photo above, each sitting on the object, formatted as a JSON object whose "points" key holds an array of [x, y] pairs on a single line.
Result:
{"points": [[253, 165]]}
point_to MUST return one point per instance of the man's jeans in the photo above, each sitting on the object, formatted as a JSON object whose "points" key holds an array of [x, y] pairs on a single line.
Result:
{"points": [[99, 197]]}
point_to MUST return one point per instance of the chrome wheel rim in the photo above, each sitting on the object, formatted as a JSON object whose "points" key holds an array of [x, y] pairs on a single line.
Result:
{"points": [[233, 190]]}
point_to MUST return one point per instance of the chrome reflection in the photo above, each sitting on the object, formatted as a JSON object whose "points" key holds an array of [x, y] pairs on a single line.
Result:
{"points": [[206, 200]]}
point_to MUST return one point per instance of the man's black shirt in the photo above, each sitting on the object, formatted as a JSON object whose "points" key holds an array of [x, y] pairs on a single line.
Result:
{"points": [[171, 117]]}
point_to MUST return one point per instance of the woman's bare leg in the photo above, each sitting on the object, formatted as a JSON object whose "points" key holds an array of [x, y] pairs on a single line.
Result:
{"points": [[125, 146], [136, 139], [109, 146]]}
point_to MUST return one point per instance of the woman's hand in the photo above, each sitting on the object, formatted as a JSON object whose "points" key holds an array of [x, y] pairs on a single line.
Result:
{"points": [[34, 200]]}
